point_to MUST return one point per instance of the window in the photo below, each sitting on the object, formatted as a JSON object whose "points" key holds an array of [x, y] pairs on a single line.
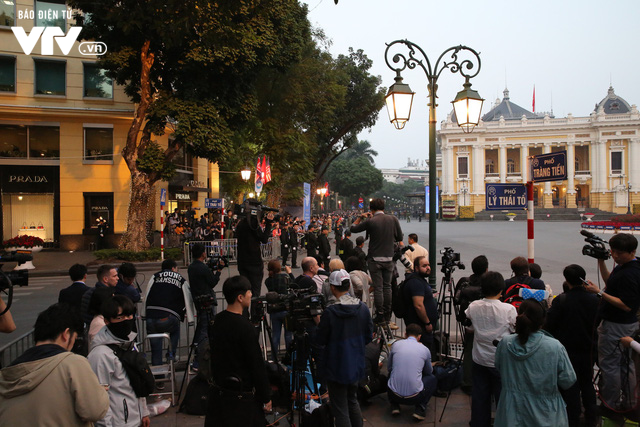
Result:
{"points": [[13, 141], [183, 160], [7, 13], [463, 167], [489, 167], [44, 141], [97, 206], [51, 77], [51, 13], [511, 166], [96, 83], [98, 144], [616, 162], [32, 142], [7, 72]]}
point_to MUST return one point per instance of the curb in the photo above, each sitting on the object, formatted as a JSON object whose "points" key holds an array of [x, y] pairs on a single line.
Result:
{"points": [[92, 269]]}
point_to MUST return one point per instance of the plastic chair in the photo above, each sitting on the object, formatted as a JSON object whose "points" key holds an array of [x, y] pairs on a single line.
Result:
{"points": [[167, 369]]}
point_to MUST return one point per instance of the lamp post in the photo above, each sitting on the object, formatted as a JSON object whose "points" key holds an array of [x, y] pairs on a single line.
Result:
{"points": [[629, 198], [321, 192], [467, 106]]}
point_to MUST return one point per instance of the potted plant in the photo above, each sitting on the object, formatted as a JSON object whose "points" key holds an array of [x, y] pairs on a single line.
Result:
{"points": [[511, 216], [32, 243]]}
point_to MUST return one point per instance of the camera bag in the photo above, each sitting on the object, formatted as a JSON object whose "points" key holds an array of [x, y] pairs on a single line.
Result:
{"points": [[398, 305]]}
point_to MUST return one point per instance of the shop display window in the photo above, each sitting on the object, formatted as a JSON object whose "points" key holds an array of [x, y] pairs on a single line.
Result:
{"points": [[28, 214]]}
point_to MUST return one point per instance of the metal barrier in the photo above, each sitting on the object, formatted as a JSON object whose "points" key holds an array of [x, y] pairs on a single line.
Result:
{"points": [[15, 348], [228, 249]]}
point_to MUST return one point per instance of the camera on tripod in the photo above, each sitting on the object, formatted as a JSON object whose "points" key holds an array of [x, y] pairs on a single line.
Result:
{"points": [[253, 209], [595, 248], [217, 263], [450, 260], [16, 277], [302, 304]]}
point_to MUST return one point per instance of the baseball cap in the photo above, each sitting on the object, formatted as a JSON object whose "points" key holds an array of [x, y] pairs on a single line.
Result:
{"points": [[340, 279]]}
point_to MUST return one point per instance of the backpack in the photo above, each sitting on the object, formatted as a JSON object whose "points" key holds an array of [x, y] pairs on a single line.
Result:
{"points": [[448, 373], [282, 281], [137, 369], [398, 305], [512, 294], [196, 397]]}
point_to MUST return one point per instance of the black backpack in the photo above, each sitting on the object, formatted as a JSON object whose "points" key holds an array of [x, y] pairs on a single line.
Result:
{"points": [[196, 397], [137, 369], [398, 304]]}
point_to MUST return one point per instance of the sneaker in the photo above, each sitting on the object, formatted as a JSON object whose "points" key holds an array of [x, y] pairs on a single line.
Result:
{"points": [[393, 326], [379, 319], [395, 409], [419, 413], [159, 385]]}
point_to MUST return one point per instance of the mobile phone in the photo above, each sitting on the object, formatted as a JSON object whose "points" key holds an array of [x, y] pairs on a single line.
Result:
{"points": [[584, 281]]}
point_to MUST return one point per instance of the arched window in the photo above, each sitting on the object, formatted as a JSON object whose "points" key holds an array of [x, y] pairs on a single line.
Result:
{"points": [[489, 167], [511, 166]]}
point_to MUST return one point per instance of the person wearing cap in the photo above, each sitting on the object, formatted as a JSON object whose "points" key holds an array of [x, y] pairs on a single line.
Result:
{"points": [[345, 329]]}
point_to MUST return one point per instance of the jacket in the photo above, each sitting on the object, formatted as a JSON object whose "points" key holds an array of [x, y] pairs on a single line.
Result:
{"points": [[168, 293], [531, 375], [324, 248], [58, 390], [345, 329], [72, 295], [383, 230], [125, 408]]}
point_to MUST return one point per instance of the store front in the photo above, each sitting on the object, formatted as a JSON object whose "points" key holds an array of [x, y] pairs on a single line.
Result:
{"points": [[30, 202], [184, 192]]}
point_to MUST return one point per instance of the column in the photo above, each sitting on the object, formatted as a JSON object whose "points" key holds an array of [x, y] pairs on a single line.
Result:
{"points": [[593, 165], [634, 170], [447, 170], [603, 162], [502, 160], [524, 162], [548, 195], [571, 173], [478, 169]]}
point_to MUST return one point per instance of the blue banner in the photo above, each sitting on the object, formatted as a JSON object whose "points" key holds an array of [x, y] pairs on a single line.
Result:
{"points": [[306, 214], [426, 199], [505, 196]]}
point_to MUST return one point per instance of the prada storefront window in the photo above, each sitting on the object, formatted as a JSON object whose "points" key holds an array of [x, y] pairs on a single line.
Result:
{"points": [[97, 206], [30, 201]]}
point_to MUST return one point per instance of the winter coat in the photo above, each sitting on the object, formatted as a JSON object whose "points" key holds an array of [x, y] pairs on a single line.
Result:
{"points": [[59, 390], [125, 408], [531, 375]]}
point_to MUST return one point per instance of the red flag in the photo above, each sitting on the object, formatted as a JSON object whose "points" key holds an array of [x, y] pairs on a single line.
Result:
{"points": [[326, 185], [267, 176], [534, 98], [264, 169], [258, 171]]}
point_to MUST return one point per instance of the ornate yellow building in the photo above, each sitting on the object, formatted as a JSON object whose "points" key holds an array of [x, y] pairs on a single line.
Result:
{"points": [[603, 155], [63, 125]]}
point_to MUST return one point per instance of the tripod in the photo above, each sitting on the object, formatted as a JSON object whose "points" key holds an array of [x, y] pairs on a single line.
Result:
{"points": [[385, 337], [300, 357], [265, 333]]}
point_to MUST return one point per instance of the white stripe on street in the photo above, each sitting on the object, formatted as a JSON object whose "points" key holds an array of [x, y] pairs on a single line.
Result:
{"points": [[22, 294]]}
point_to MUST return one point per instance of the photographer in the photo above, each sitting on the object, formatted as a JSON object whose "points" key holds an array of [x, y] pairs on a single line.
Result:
{"points": [[383, 230], [620, 300], [250, 233], [278, 282], [202, 281]]}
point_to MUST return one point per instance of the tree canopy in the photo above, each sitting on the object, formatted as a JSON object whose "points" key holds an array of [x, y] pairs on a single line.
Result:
{"points": [[354, 177]]}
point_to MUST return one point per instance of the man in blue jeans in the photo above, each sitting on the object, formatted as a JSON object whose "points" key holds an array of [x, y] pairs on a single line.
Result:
{"points": [[411, 379], [345, 329], [168, 300]]}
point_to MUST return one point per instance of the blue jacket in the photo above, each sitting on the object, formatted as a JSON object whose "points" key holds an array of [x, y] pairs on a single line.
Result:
{"points": [[345, 329]]}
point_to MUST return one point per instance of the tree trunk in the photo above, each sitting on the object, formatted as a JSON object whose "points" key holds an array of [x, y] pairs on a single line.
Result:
{"points": [[140, 209]]}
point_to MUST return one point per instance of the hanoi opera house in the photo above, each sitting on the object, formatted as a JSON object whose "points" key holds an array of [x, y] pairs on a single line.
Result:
{"points": [[603, 155]]}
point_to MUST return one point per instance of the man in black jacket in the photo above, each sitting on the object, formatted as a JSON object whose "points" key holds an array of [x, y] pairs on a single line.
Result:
{"points": [[324, 248], [202, 281], [346, 246], [572, 321], [383, 230], [72, 295], [250, 234], [241, 386], [312, 240], [285, 243]]}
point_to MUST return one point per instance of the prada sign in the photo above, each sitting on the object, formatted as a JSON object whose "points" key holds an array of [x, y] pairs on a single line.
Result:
{"points": [[29, 179]]}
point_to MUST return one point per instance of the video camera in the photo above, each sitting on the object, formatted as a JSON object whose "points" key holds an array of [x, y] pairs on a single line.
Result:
{"points": [[252, 208], [302, 305], [217, 263], [595, 248], [450, 260], [16, 277]]}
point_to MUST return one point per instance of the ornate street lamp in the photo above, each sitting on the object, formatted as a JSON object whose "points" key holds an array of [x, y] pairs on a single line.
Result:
{"points": [[467, 106], [245, 173]]}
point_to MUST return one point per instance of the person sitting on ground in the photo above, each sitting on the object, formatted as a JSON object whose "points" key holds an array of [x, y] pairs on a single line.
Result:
{"points": [[533, 367], [520, 270], [411, 379], [535, 271], [492, 320]]}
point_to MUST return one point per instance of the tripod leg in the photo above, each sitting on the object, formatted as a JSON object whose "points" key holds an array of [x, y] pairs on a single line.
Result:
{"points": [[186, 372]]}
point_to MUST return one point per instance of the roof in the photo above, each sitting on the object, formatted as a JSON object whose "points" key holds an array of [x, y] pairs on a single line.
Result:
{"points": [[613, 104], [508, 110]]}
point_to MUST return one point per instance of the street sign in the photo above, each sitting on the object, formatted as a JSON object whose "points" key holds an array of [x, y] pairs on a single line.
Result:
{"points": [[163, 196], [213, 203], [549, 167], [426, 199], [505, 196], [360, 203]]}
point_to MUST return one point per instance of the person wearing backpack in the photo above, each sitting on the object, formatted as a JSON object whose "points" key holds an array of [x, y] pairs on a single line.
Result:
{"points": [[126, 409], [491, 320], [520, 274], [278, 282]]}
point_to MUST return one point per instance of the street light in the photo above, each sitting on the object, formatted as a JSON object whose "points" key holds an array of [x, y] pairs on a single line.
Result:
{"points": [[245, 173], [467, 106]]}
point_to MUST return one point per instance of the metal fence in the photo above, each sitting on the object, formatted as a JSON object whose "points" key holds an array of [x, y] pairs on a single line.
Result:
{"points": [[228, 249], [15, 348]]}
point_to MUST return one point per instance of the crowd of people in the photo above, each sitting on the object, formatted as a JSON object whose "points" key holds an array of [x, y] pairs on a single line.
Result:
{"points": [[527, 353]]}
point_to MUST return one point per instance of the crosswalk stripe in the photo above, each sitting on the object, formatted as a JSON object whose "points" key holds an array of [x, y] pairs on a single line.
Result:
{"points": [[21, 294]]}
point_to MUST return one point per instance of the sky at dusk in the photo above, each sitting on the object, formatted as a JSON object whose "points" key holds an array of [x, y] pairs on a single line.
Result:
{"points": [[570, 50]]}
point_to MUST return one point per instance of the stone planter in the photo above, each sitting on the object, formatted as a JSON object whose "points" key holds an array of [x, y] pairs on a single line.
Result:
{"points": [[588, 216], [511, 217]]}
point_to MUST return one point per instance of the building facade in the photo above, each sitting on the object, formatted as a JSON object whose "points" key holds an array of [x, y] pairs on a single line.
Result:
{"points": [[603, 155], [63, 125]]}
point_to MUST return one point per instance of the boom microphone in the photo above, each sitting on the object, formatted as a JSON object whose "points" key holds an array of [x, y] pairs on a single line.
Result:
{"points": [[586, 233]]}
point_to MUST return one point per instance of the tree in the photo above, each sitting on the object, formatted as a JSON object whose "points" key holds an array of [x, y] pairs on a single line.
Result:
{"points": [[354, 177], [189, 67], [360, 149]]}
